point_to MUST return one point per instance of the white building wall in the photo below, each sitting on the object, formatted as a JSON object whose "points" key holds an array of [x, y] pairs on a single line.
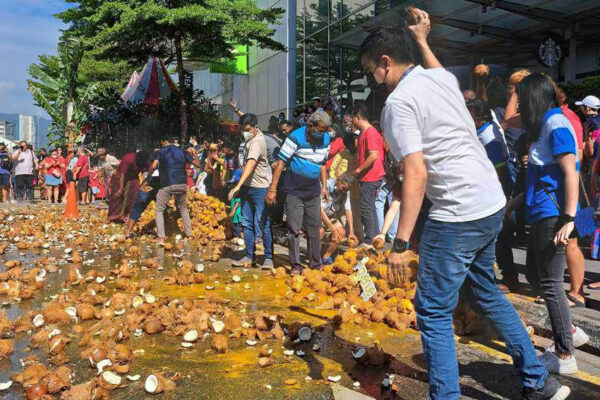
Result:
{"points": [[268, 88], [27, 128]]}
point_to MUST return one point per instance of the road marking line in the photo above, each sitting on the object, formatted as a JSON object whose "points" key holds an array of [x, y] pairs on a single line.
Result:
{"points": [[581, 375]]}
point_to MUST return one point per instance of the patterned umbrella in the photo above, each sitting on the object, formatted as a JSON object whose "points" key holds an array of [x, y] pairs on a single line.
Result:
{"points": [[151, 86]]}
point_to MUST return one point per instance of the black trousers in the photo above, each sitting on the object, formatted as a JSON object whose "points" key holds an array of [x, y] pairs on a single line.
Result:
{"points": [[25, 187]]}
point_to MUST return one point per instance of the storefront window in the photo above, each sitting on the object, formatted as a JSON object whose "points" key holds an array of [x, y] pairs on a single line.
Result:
{"points": [[299, 19], [317, 14], [323, 68]]}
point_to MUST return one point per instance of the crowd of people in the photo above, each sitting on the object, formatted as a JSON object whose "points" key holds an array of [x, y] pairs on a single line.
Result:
{"points": [[22, 170], [458, 175]]}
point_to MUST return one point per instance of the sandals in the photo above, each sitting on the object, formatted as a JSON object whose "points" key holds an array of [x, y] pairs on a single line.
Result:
{"points": [[576, 303], [593, 288]]}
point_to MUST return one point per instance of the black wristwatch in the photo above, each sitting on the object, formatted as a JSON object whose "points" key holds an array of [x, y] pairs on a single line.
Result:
{"points": [[565, 219], [400, 246]]}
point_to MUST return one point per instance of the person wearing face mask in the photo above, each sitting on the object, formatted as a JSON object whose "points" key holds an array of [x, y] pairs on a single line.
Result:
{"points": [[53, 177], [26, 163], [336, 145], [252, 187], [431, 133], [303, 153]]}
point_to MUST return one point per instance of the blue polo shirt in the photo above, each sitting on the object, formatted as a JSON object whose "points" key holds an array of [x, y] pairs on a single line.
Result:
{"points": [[304, 161], [557, 137], [171, 165], [491, 138]]}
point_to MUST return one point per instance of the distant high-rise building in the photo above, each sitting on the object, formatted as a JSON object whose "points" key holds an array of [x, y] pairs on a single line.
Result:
{"points": [[27, 128], [8, 130]]}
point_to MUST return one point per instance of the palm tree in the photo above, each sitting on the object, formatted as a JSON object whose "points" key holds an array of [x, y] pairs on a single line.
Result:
{"points": [[55, 87]]}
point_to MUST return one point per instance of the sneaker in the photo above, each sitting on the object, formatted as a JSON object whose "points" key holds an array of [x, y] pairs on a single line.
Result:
{"points": [[552, 390], [267, 264], [579, 339], [557, 365], [244, 262]]}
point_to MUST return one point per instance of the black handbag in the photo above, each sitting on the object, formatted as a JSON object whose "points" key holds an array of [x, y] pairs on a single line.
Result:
{"points": [[585, 223]]}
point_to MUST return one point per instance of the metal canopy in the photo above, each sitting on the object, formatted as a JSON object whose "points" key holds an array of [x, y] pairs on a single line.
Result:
{"points": [[495, 31]]}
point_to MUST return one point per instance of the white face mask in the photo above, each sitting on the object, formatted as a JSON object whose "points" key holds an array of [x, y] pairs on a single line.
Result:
{"points": [[247, 135]]}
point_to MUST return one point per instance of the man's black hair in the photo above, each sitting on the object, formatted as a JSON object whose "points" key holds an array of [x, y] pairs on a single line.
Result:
{"points": [[361, 112], [248, 119], [393, 41], [480, 109], [285, 122]]}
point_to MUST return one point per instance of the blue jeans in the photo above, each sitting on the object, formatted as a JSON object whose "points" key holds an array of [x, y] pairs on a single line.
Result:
{"points": [[385, 196], [142, 202], [254, 208], [237, 229], [449, 254]]}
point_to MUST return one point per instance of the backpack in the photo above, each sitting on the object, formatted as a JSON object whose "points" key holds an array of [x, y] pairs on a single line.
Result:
{"points": [[5, 161]]}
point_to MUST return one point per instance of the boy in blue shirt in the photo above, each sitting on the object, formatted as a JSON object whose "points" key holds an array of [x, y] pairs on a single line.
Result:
{"points": [[236, 211], [492, 139]]}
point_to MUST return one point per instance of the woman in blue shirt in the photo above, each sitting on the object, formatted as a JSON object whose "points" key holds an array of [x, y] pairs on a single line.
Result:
{"points": [[552, 190]]}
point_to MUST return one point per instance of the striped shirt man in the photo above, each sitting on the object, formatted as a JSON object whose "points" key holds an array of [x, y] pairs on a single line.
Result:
{"points": [[304, 161]]}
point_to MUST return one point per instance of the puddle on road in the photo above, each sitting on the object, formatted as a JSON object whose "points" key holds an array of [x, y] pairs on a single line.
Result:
{"points": [[204, 374]]}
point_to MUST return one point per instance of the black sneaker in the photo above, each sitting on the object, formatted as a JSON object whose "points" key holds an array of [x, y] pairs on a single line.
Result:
{"points": [[552, 390]]}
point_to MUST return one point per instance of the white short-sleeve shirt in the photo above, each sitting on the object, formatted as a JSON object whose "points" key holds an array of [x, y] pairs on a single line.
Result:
{"points": [[426, 112]]}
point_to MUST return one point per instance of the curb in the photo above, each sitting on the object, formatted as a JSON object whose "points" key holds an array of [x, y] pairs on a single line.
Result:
{"points": [[536, 315]]}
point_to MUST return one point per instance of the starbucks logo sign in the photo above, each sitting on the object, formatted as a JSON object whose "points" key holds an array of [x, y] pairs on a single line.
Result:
{"points": [[550, 51]]}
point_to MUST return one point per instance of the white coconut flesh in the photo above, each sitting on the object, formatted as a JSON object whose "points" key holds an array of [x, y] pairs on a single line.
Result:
{"points": [[151, 383]]}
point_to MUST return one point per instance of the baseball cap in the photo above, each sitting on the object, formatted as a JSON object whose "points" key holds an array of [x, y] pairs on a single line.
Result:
{"points": [[589, 101]]}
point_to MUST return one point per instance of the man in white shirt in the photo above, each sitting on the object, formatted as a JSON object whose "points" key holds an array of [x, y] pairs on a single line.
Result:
{"points": [[26, 163], [429, 130]]}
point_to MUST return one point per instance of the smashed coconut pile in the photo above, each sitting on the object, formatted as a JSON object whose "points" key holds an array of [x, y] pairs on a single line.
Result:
{"points": [[98, 311]]}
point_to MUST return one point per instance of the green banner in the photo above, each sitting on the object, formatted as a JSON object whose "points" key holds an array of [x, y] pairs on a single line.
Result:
{"points": [[237, 65]]}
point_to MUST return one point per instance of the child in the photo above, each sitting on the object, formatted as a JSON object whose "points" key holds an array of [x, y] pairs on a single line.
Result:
{"points": [[94, 183], [236, 210], [491, 137]]}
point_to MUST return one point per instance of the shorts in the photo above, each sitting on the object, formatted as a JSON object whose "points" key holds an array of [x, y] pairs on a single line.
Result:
{"points": [[5, 181], [82, 184], [69, 176], [52, 180]]}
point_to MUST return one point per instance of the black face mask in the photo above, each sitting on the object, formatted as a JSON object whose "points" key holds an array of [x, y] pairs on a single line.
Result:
{"points": [[376, 87]]}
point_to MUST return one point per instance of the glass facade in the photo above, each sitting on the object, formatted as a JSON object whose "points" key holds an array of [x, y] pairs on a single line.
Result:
{"points": [[324, 69]]}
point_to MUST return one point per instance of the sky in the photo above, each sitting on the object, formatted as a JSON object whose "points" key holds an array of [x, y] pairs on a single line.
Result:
{"points": [[27, 30]]}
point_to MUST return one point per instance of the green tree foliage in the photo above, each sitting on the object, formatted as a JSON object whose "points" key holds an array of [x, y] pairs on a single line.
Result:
{"points": [[56, 87], [173, 30]]}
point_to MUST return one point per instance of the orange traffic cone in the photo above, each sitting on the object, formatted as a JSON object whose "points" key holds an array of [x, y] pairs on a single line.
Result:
{"points": [[71, 208]]}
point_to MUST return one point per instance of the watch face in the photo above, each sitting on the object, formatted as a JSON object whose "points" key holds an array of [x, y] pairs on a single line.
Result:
{"points": [[399, 245]]}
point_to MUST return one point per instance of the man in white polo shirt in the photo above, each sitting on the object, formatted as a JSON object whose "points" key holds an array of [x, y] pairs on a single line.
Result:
{"points": [[429, 130]]}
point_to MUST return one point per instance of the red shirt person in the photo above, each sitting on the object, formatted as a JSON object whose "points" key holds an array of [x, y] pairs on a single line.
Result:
{"points": [[82, 174], [370, 170]]}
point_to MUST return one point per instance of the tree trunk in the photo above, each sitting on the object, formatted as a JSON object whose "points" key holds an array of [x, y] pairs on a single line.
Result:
{"points": [[182, 101]]}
